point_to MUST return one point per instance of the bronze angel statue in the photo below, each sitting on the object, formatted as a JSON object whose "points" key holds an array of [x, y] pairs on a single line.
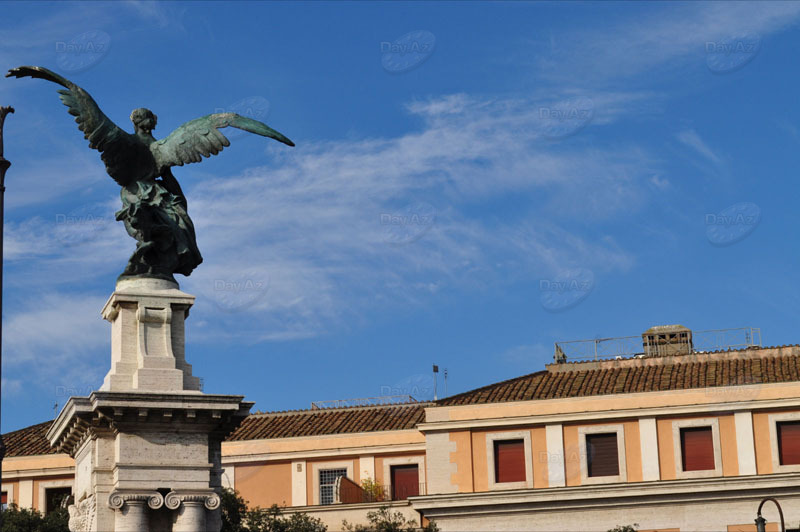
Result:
{"points": [[153, 205]]}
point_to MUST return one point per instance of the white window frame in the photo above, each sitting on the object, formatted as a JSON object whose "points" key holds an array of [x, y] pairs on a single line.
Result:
{"points": [[679, 424], [315, 468], [525, 436], [9, 489], [44, 485], [419, 461], [773, 440], [617, 428]]}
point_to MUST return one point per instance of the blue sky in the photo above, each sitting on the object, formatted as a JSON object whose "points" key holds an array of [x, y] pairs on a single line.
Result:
{"points": [[471, 182]]}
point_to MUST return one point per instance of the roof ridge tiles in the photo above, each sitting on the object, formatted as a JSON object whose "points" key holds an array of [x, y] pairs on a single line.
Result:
{"points": [[302, 411]]}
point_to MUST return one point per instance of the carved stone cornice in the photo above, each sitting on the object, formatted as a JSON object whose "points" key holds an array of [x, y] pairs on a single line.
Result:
{"points": [[112, 412], [117, 499], [209, 499], [78, 430]]}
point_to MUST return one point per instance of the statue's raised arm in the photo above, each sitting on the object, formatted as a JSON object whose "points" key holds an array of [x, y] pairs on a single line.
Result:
{"points": [[153, 205]]}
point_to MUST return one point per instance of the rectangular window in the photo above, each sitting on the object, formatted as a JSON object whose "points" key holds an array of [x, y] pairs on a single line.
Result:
{"points": [[55, 497], [789, 442], [3, 501], [697, 448], [405, 481], [602, 458], [509, 461], [327, 484]]}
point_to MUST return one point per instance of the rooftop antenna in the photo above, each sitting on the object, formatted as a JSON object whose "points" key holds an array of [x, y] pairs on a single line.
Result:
{"points": [[435, 375], [445, 382]]}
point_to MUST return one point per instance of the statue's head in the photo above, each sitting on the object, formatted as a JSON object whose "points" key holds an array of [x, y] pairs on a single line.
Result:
{"points": [[144, 119]]}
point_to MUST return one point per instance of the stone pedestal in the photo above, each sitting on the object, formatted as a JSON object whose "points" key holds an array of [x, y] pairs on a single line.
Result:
{"points": [[147, 337], [147, 444]]}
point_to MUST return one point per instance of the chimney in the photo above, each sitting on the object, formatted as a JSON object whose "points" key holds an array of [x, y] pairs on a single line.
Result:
{"points": [[667, 340]]}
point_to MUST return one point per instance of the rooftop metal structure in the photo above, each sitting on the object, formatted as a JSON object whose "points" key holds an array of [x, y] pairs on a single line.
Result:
{"points": [[631, 346], [364, 401]]}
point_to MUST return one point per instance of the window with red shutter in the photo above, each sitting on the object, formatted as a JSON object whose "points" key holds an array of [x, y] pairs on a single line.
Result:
{"points": [[697, 448], [602, 458], [789, 442], [509, 461], [405, 481]]}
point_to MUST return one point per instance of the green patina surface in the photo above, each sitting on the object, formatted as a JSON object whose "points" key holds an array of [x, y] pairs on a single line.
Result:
{"points": [[154, 208]]}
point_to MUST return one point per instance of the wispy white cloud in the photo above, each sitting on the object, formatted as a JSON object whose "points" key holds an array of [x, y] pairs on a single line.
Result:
{"points": [[647, 40], [159, 13], [691, 138], [660, 182], [54, 337], [44, 27], [11, 387], [33, 39], [326, 232], [312, 226]]}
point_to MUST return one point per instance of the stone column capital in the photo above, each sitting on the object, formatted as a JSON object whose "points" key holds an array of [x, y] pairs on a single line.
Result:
{"points": [[209, 499], [119, 498]]}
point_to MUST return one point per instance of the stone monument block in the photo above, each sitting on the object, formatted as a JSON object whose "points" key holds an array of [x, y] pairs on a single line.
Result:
{"points": [[147, 445], [147, 337]]}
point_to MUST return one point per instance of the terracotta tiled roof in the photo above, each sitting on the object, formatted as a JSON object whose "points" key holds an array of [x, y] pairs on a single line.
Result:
{"points": [[28, 441], [329, 421], [32, 441], [700, 370], [579, 379]]}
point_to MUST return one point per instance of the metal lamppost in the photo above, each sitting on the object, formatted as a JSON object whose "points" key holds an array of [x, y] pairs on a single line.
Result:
{"points": [[4, 164], [761, 523]]}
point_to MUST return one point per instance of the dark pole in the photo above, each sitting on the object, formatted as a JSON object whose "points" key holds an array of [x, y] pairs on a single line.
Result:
{"points": [[4, 164], [761, 523]]}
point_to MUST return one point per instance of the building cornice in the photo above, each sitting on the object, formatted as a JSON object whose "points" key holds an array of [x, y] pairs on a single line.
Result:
{"points": [[322, 453], [604, 415], [11, 474], [663, 492]]}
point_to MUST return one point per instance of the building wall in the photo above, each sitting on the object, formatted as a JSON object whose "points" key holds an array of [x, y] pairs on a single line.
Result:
{"points": [[332, 443], [26, 477], [12, 489], [761, 431], [461, 466], [462, 476], [742, 441], [264, 484], [605, 405], [720, 515], [312, 473], [453, 449], [729, 452], [572, 455], [666, 449], [355, 514], [40, 485], [385, 461]]}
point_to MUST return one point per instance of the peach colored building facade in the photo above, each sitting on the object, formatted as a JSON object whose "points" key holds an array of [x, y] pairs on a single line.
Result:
{"points": [[685, 441]]}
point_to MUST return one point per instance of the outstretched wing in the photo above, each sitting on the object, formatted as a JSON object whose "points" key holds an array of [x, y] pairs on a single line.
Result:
{"points": [[202, 137], [119, 149]]}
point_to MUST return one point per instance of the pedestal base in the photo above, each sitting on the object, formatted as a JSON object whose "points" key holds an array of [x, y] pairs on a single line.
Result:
{"points": [[147, 337], [137, 452], [147, 445]]}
